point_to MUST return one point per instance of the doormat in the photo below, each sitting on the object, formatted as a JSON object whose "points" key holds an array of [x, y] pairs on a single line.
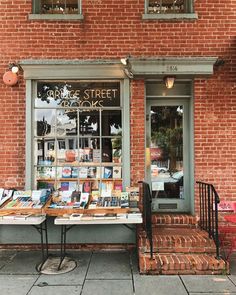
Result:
{"points": [[50, 267]]}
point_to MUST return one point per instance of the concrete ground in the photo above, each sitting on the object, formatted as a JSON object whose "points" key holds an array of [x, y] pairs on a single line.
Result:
{"points": [[102, 273]]}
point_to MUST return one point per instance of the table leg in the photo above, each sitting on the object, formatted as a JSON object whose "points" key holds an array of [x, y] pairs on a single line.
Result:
{"points": [[42, 229], [63, 244]]}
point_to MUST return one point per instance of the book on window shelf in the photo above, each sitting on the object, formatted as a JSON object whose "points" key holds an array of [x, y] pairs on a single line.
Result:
{"points": [[83, 172], [86, 187], [65, 186], [73, 185], [96, 155], [92, 172], [98, 172], [66, 172], [74, 172], [118, 186], [107, 172], [106, 187], [116, 172], [86, 155]]}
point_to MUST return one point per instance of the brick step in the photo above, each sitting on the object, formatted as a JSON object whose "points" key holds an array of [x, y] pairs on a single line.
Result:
{"points": [[173, 264], [177, 240], [178, 220]]}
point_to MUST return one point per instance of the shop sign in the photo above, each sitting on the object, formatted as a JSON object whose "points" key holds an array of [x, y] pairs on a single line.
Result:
{"points": [[79, 94]]}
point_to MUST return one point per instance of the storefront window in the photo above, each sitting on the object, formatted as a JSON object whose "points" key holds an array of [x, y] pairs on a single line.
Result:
{"points": [[57, 6], [168, 6], [78, 136], [169, 9]]}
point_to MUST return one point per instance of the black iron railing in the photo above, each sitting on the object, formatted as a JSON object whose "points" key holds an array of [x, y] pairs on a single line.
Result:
{"points": [[209, 200], [147, 213]]}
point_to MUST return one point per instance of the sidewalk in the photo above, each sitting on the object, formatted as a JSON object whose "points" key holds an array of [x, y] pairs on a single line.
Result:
{"points": [[102, 273]]}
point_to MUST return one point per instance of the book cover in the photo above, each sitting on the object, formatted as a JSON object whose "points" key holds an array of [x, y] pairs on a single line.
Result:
{"points": [[64, 186], [124, 199], [116, 172], [116, 155], [86, 187], [96, 155], [83, 172], [107, 172], [92, 172], [133, 193], [95, 195], [72, 185], [84, 198], [118, 186], [86, 155], [66, 172], [98, 172], [74, 172]]}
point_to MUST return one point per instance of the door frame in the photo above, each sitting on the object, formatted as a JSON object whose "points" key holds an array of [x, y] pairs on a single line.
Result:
{"points": [[188, 150]]}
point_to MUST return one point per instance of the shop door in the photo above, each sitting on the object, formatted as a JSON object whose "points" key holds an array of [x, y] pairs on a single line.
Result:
{"points": [[168, 154]]}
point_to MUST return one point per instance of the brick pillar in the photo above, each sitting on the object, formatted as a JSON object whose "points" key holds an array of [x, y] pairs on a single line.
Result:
{"points": [[137, 126]]}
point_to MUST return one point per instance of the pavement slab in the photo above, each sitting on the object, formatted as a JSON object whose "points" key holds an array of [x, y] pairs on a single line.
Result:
{"points": [[6, 257], [108, 287], [208, 284], [24, 262], [16, 284], [158, 285], [52, 290], [110, 265]]}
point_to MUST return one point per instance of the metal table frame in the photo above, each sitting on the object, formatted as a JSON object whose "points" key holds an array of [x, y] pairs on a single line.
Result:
{"points": [[40, 224], [67, 224]]}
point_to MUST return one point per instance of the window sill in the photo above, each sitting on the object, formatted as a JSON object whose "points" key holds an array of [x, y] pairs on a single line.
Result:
{"points": [[170, 16], [62, 17]]}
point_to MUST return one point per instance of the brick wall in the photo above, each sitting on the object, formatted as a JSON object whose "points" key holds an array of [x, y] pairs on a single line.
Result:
{"points": [[112, 29]]}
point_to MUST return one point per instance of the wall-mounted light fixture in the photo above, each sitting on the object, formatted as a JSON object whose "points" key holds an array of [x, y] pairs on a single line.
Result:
{"points": [[127, 66], [169, 81], [10, 77]]}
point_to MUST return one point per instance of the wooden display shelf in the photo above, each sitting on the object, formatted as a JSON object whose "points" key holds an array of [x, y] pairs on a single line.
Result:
{"points": [[12, 210], [63, 211], [77, 179]]}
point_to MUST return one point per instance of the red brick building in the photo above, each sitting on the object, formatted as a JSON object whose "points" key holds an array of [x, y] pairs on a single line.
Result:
{"points": [[191, 127]]}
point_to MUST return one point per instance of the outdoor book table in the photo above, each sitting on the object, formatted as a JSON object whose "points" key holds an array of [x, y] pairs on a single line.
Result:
{"points": [[67, 223], [38, 222]]}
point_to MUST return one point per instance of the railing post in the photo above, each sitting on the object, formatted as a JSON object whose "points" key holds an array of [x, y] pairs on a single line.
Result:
{"points": [[209, 210]]}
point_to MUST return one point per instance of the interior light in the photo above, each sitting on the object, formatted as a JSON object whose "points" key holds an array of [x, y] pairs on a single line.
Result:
{"points": [[169, 81]]}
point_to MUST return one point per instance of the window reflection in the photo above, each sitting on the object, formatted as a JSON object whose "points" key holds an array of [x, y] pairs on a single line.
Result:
{"points": [[111, 123], [167, 6], [167, 151]]}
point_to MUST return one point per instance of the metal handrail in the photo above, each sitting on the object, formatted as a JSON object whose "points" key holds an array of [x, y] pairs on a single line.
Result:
{"points": [[209, 200], [147, 213]]}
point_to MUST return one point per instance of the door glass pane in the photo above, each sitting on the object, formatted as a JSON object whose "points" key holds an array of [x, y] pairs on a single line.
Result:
{"points": [[167, 151]]}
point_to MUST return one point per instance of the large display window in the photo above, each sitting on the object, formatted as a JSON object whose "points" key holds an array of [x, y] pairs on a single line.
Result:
{"points": [[77, 137]]}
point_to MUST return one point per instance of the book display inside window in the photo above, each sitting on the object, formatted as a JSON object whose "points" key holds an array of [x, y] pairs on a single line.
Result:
{"points": [[78, 140], [59, 6], [167, 6]]}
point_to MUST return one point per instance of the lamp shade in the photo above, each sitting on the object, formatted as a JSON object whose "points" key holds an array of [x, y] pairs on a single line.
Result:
{"points": [[10, 78], [169, 81]]}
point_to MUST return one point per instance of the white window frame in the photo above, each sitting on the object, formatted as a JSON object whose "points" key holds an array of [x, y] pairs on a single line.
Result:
{"points": [[36, 15], [35, 70], [189, 14]]}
